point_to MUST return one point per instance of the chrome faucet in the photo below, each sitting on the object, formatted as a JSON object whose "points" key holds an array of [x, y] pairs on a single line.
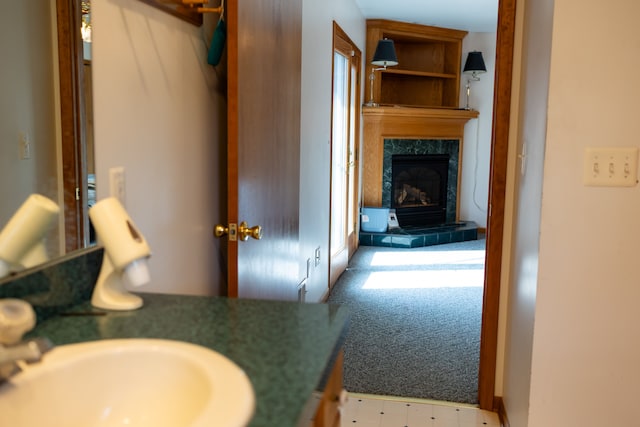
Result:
{"points": [[17, 318], [29, 351]]}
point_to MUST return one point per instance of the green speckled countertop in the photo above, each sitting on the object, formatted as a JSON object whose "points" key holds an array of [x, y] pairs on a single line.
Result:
{"points": [[285, 348]]}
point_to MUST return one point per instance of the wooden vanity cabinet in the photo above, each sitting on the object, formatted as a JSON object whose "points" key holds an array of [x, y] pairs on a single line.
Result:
{"points": [[328, 414]]}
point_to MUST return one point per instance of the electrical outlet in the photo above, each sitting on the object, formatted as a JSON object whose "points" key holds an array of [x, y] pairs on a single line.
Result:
{"points": [[117, 184], [24, 146], [302, 291], [393, 219], [611, 167], [317, 257]]}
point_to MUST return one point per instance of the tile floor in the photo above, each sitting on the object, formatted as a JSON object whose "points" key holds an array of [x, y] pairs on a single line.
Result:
{"points": [[377, 411]]}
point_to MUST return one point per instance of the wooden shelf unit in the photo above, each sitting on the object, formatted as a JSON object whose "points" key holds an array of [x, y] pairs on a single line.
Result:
{"points": [[428, 70]]}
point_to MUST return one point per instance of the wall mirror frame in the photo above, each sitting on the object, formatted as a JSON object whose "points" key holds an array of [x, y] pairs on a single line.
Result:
{"points": [[75, 123]]}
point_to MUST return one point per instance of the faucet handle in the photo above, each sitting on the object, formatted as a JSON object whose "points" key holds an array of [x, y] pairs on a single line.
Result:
{"points": [[16, 319]]}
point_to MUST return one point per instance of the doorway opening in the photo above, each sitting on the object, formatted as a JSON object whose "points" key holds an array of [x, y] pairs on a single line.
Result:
{"points": [[497, 189]]}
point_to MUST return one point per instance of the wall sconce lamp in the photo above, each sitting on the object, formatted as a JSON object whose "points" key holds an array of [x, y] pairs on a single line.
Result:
{"points": [[472, 67], [385, 56]]}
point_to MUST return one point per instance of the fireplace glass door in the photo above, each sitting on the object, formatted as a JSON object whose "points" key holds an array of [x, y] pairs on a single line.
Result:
{"points": [[419, 188]]}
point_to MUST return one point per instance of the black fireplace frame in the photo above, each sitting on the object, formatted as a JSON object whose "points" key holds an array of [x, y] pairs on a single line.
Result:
{"points": [[452, 147], [433, 212]]}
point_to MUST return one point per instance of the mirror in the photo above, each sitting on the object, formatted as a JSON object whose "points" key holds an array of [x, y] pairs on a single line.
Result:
{"points": [[45, 130]]}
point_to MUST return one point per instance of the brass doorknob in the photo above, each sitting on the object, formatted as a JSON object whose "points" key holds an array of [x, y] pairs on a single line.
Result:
{"points": [[220, 230], [245, 231]]}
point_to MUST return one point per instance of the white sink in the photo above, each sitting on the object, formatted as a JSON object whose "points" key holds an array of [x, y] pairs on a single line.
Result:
{"points": [[128, 382]]}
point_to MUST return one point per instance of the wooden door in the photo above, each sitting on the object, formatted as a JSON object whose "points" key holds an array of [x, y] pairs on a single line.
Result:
{"points": [[264, 75]]}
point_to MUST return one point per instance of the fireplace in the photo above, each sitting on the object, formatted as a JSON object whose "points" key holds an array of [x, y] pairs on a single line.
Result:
{"points": [[390, 131], [425, 148], [419, 188]]}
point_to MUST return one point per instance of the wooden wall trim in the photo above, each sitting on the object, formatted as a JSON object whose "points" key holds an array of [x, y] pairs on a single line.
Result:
{"points": [[70, 63], [231, 247], [497, 192], [498, 405]]}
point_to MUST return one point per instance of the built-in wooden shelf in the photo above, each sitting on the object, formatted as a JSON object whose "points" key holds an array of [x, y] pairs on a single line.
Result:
{"points": [[429, 64], [435, 113], [418, 98], [418, 73]]}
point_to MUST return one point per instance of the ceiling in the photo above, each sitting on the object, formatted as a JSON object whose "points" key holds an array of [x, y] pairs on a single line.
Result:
{"points": [[469, 15]]}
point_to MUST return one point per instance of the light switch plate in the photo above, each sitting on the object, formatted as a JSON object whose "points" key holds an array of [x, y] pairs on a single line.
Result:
{"points": [[25, 146], [117, 184], [611, 167]]}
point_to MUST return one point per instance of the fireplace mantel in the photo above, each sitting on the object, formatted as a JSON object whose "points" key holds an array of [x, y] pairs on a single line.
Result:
{"points": [[393, 122]]}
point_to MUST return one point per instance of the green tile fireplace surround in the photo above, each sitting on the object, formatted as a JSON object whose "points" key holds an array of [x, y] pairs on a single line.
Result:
{"points": [[450, 147], [286, 348]]}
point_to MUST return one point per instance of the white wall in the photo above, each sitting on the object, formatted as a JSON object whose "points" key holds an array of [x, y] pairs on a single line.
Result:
{"points": [[315, 150], [528, 176], [577, 337], [160, 113], [476, 152], [28, 82], [585, 369]]}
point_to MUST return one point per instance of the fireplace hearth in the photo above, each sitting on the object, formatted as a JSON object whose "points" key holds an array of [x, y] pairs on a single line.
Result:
{"points": [[419, 188], [417, 237]]}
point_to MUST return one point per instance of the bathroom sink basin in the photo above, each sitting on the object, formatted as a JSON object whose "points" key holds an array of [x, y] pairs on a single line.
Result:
{"points": [[128, 382]]}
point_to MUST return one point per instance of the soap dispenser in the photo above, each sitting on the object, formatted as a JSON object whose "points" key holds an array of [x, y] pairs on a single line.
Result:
{"points": [[125, 257]]}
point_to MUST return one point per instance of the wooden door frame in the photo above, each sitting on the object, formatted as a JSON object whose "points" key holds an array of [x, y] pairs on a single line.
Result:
{"points": [[353, 241], [505, 39], [340, 39], [72, 117]]}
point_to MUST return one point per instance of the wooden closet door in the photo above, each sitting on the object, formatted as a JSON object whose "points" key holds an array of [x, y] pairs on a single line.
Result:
{"points": [[264, 78]]}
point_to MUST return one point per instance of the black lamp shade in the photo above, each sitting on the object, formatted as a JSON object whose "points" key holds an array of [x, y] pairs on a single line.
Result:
{"points": [[475, 63], [385, 54]]}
